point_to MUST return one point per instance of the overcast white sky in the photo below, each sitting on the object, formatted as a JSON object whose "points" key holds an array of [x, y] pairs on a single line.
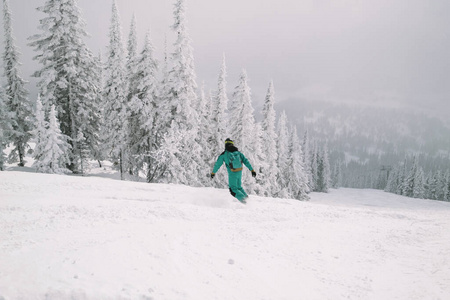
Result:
{"points": [[344, 50]]}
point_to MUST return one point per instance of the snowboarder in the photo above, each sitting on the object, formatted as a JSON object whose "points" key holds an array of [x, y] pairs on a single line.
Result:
{"points": [[233, 160]]}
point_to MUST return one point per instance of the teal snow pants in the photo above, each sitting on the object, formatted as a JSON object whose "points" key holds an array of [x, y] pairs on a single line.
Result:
{"points": [[235, 184]]}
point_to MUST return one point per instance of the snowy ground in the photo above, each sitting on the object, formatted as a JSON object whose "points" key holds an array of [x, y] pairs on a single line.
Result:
{"points": [[70, 237]]}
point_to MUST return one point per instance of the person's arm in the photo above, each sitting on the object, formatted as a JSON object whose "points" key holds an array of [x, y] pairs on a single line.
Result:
{"points": [[246, 162], [218, 164]]}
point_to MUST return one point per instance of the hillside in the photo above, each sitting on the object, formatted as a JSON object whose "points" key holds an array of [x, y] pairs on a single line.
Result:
{"points": [[367, 133], [69, 237]]}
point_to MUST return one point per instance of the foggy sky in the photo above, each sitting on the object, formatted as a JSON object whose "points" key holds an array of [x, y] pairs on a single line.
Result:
{"points": [[383, 51]]}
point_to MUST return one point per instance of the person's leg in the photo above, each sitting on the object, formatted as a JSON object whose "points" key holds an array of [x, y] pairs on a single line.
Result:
{"points": [[241, 189], [234, 182]]}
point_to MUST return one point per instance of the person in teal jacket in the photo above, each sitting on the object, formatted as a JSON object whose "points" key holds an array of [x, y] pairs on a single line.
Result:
{"points": [[230, 155]]}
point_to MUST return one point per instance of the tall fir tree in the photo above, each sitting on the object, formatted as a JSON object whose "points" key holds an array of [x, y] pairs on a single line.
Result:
{"points": [[297, 179], [392, 181], [241, 119], [6, 127], [181, 99], [205, 133], [419, 186], [182, 77], [133, 103], [283, 156], [67, 78], [314, 166], [39, 134], [219, 109], [16, 99], [440, 184], [132, 58], [307, 159], [219, 121], [323, 171], [144, 111], [163, 97], [244, 131], [430, 187], [337, 175], [402, 178], [447, 186], [99, 153], [257, 157], [409, 179], [271, 171], [115, 93]]}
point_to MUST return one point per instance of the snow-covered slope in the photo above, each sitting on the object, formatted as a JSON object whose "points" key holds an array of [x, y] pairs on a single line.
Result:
{"points": [[68, 237]]}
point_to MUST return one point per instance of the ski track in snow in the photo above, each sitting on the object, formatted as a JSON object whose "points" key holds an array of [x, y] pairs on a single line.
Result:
{"points": [[69, 237]]}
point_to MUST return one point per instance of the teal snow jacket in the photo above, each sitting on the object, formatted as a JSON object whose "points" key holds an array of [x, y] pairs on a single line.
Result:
{"points": [[225, 158]]}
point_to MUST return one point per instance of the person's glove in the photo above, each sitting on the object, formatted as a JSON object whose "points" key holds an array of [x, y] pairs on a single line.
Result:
{"points": [[253, 173], [212, 175]]}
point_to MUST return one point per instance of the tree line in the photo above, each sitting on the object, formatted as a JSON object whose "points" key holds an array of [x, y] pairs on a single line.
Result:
{"points": [[148, 117]]}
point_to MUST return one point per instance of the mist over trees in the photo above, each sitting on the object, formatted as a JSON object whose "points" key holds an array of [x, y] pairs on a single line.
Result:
{"points": [[151, 119], [369, 144]]}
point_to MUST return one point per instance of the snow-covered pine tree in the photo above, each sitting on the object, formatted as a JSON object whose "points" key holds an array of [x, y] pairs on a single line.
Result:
{"points": [[17, 100], [205, 133], [314, 166], [182, 75], [163, 121], [337, 175], [115, 93], [283, 156], [392, 181], [39, 134], [244, 131], [257, 158], [402, 178], [297, 180], [219, 120], [67, 77], [307, 159], [219, 109], [182, 99], [143, 111], [440, 184], [430, 186], [132, 59], [131, 69], [99, 153], [270, 173], [241, 117], [53, 154], [447, 186], [6, 126], [419, 185], [168, 167], [409, 181], [323, 171]]}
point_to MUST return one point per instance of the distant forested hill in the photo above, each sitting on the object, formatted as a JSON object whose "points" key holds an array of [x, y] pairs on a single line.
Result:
{"points": [[367, 139]]}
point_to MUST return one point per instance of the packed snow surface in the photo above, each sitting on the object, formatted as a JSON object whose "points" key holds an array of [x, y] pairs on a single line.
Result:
{"points": [[70, 237]]}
